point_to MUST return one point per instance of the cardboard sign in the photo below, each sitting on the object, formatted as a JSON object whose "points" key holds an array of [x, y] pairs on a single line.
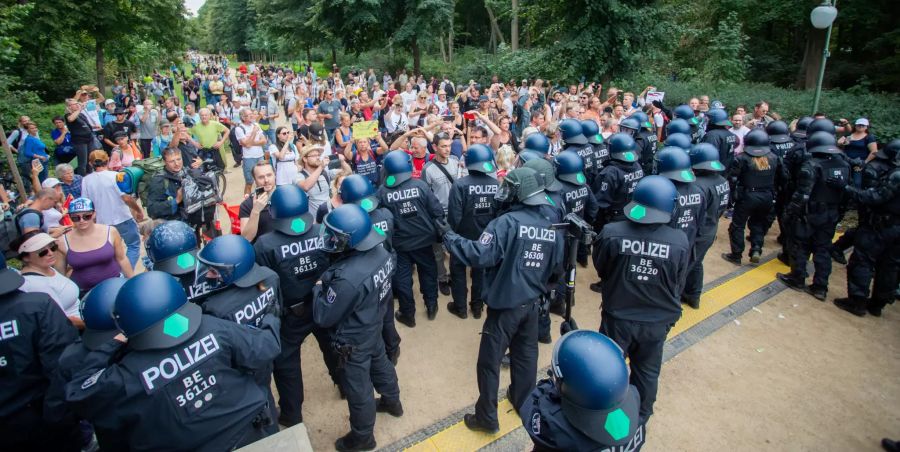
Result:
{"points": [[365, 129]]}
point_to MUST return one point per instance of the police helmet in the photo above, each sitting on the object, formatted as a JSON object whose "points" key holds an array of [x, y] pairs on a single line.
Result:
{"points": [[356, 189], [653, 201], [705, 156], [674, 163], [10, 279], [570, 130], [570, 167], [523, 185], [890, 151], [152, 310], [629, 126], [802, 124], [679, 140], [820, 125], [718, 117], [398, 168], [822, 143], [591, 131], [536, 142], [97, 312], [642, 119], [778, 132], [289, 208], [349, 227], [756, 142], [480, 158], [227, 259], [172, 247], [622, 147], [678, 126], [546, 171], [686, 113], [526, 156], [590, 372]]}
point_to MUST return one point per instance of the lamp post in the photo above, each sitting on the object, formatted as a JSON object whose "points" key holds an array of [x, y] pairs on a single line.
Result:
{"points": [[821, 17]]}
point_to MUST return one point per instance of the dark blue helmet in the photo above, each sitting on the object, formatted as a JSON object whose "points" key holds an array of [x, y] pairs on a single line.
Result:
{"points": [[570, 130], [821, 143], [172, 247], [480, 158], [630, 126], [756, 142], [591, 131], [820, 125], [674, 163], [778, 132], [653, 201], [622, 147], [225, 260], [678, 126], [97, 312], [398, 168], [802, 124], [356, 189], [152, 310], [289, 208], [570, 167], [718, 117], [679, 140], [537, 142], [686, 113], [642, 119], [890, 151], [705, 156], [590, 371], [349, 227]]}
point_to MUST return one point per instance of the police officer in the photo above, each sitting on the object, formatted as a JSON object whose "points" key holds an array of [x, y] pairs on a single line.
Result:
{"points": [[536, 145], [33, 334], [707, 167], [591, 131], [793, 161], [781, 143], [678, 125], [172, 248], [646, 140], [718, 135], [690, 208], [642, 264], [573, 137], [757, 173], [687, 113], [799, 133], [471, 208], [588, 388], [678, 140], [876, 248], [576, 194], [183, 380], [415, 209], [521, 254], [613, 185], [815, 211], [350, 303], [646, 149], [294, 251], [359, 190]]}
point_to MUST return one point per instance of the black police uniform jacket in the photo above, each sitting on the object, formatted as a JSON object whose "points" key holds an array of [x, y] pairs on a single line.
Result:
{"points": [[471, 204], [613, 187], [354, 292], [717, 193], [724, 141], [383, 220], [601, 156], [646, 141], [690, 209], [415, 209], [543, 418], [821, 182], [579, 199], [883, 199], [248, 304], [298, 260], [200, 395], [588, 155], [872, 174], [642, 269], [520, 252]]}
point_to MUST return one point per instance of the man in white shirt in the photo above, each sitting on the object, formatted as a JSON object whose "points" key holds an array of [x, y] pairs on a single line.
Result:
{"points": [[241, 97], [409, 96], [112, 207], [738, 128], [252, 138]]}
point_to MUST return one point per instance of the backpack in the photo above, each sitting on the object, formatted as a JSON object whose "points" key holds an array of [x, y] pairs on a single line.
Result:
{"points": [[233, 140], [10, 230], [151, 166], [199, 191]]}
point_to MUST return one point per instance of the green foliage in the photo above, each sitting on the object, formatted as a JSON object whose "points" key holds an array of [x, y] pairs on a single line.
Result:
{"points": [[726, 58]]}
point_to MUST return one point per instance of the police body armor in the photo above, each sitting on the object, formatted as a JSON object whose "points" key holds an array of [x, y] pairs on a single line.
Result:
{"points": [[646, 142], [471, 206], [601, 156], [298, 261], [781, 149], [414, 208], [753, 179], [832, 174], [689, 210], [578, 199], [246, 305], [872, 173]]}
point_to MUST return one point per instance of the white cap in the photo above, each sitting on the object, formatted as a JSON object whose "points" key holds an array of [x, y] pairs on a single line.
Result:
{"points": [[50, 182], [35, 243], [862, 122], [109, 101]]}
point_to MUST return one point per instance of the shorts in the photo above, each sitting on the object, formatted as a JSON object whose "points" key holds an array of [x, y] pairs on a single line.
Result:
{"points": [[248, 163]]}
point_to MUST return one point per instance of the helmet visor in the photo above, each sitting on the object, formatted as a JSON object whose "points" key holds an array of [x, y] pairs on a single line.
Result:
{"points": [[334, 241], [214, 275], [507, 191]]}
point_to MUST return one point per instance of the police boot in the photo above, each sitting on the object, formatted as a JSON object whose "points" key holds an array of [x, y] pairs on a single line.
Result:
{"points": [[431, 312], [444, 287], [754, 257], [548, 339], [732, 257], [819, 292], [394, 408], [890, 445], [838, 256], [461, 314], [582, 261], [477, 308], [597, 287], [852, 305], [354, 442], [472, 423], [875, 306], [789, 281], [408, 321], [691, 301], [784, 258]]}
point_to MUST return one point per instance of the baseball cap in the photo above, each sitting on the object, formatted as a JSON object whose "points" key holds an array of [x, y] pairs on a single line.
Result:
{"points": [[34, 242], [316, 131], [109, 101], [79, 205], [862, 122], [50, 182]]}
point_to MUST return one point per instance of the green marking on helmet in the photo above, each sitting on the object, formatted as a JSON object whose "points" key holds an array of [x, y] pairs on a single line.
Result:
{"points": [[617, 424], [599, 138], [687, 175], [629, 156], [176, 325], [298, 225], [638, 212], [488, 167], [390, 181], [580, 178], [366, 204], [185, 260], [379, 230], [550, 200], [717, 165]]}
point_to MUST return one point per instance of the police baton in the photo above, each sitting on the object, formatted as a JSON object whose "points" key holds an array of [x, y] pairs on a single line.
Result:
{"points": [[578, 232]]}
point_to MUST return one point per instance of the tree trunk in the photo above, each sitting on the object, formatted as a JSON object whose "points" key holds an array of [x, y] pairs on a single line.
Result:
{"points": [[514, 26], [494, 27], [450, 42], [443, 51], [308, 56], [101, 63], [812, 58], [333, 55], [417, 57]]}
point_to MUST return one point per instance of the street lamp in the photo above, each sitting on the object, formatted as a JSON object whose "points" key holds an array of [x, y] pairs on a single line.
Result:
{"points": [[821, 17]]}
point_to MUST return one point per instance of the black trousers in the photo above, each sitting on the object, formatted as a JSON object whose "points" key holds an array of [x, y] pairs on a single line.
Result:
{"points": [[367, 368], [876, 253], [693, 286], [813, 235], [846, 240], [756, 211], [458, 286], [642, 343], [515, 329], [389, 329], [423, 260], [146, 146], [26, 431], [81, 151]]}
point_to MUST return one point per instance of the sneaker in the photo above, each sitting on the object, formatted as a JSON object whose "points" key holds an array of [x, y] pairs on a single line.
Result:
{"points": [[452, 309], [754, 257], [353, 442], [444, 287], [408, 321], [819, 292], [394, 408], [855, 307], [838, 256], [596, 287], [472, 423], [733, 258], [789, 281], [432, 312]]}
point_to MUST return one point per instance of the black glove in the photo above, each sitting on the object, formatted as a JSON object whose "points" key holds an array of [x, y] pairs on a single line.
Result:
{"points": [[442, 227]]}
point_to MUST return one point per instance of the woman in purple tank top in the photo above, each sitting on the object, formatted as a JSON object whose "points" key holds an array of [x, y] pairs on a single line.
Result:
{"points": [[91, 253]]}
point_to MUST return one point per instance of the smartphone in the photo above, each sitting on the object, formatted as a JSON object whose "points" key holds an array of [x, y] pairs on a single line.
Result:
{"points": [[259, 191], [469, 115]]}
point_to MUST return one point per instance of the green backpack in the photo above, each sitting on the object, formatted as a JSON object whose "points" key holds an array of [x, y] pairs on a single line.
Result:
{"points": [[151, 167]]}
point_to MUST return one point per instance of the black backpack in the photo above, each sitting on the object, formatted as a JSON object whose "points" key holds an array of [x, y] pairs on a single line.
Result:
{"points": [[10, 230]]}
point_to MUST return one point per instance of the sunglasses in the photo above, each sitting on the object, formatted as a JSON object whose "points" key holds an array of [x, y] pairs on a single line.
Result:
{"points": [[284, 133], [50, 249], [84, 217]]}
